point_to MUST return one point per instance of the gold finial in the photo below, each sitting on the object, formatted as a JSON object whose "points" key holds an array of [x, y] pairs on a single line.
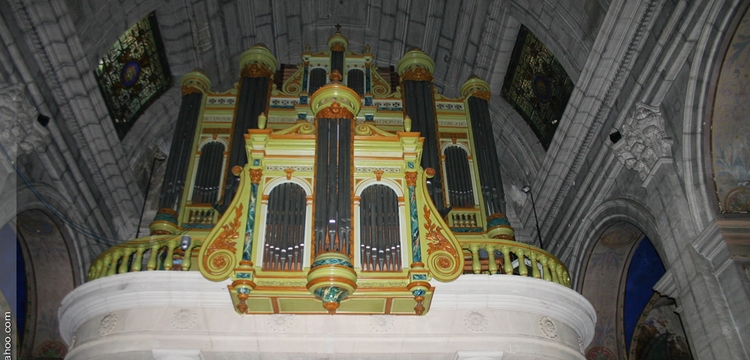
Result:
{"points": [[262, 121], [367, 49], [407, 123], [336, 76], [307, 47]]}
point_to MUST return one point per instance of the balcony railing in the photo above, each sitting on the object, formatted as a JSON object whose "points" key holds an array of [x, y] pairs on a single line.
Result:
{"points": [[492, 256], [152, 252], [482, 256]]}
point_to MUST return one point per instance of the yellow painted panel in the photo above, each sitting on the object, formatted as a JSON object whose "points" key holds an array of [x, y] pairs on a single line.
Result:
{"points": [[259, 305], [366, 306], [301, 305]]}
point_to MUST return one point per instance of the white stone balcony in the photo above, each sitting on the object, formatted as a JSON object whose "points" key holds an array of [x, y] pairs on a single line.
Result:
{"points": [[181, 315]]}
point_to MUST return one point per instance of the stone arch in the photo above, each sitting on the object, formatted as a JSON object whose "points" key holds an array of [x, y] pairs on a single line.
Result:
{"points": [[710, 49], [602, 218], [49, 275]]}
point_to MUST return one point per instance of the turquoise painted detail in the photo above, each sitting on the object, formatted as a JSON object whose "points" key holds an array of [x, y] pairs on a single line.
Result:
{"points": [[304, 84], [165, 217], [465, 230], [247, 252], [243, 290], [331, 261], [197, 226], [303, 99], [256, 162], [416, 248], [301, 116], [418, 292], [419, 277], [243, 275], [331, 294], [369, 117], [410, 165], [368, 100], [497, 221]]}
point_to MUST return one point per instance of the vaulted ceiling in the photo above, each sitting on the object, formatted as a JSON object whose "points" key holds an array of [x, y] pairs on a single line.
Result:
{"points": [[467, 37]]}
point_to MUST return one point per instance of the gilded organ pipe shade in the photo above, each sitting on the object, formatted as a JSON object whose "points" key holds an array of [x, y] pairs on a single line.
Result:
{"points": [[180, 151]]}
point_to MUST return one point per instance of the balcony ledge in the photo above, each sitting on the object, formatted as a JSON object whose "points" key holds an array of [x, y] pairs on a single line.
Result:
{"points": [[181, 315]]}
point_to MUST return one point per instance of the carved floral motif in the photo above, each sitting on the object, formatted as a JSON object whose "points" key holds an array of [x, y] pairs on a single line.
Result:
{"points": [[335, 111], [417, 73], [255, 70], [435, 238], [255, 175], [644, 141], [411, 178]]}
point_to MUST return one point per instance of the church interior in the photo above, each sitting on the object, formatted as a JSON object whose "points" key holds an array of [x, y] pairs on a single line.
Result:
{"points": [[338, 179]]}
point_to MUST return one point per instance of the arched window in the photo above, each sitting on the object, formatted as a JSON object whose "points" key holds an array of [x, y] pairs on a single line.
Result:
{"points": [[318, 78], [355, 79], [458, 175], [208, 176], [379, 231], [285, 228]]}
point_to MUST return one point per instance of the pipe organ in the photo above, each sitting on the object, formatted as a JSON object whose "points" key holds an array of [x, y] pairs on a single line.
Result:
{"points": [[334, 192]]}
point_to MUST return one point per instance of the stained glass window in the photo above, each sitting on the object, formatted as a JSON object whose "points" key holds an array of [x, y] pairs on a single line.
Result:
{"points": [[536, 85], [133, 73]]}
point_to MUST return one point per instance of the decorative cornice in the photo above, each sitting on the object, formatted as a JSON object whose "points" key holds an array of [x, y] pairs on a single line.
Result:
{"points": [[258, 54], [476, 87], [256, 70]]}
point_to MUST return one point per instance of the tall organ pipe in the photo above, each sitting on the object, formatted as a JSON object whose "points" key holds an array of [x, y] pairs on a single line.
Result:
{"points": [[258, 66], [420, 107], [487, 160], [194, 87]]}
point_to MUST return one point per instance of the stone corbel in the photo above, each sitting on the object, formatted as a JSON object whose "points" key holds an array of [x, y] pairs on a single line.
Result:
{"points": [[20, 133], [644, 145]]}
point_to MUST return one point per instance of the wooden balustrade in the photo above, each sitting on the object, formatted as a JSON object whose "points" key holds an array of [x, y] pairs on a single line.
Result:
{"points": [[504, 257], [158, 253], [465, 220]]}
